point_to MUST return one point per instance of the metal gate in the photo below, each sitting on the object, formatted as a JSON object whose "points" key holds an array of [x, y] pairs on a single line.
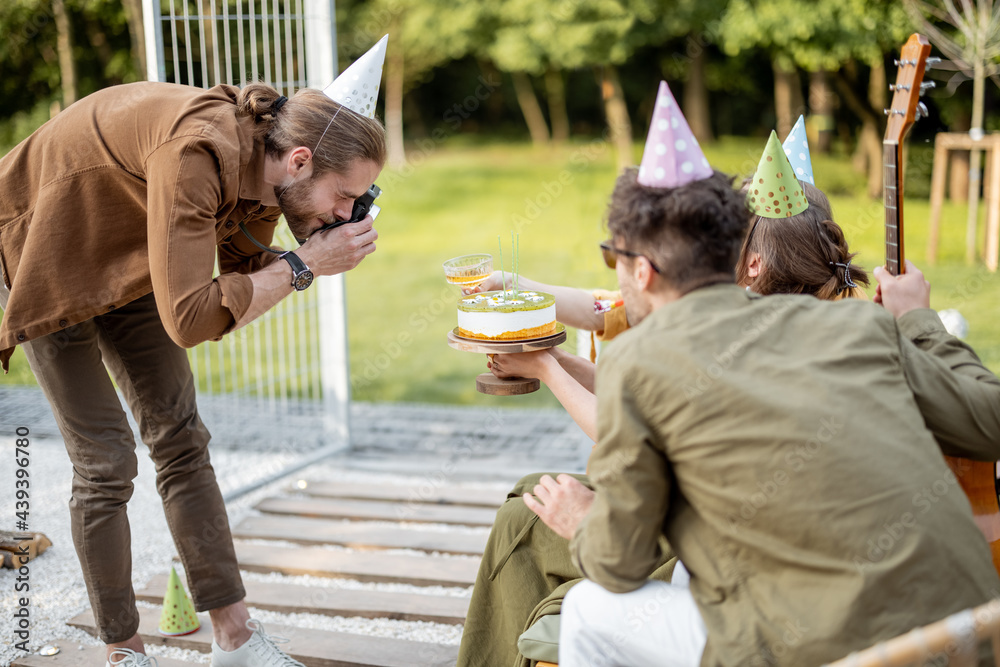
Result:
{"points": [[293, 360]]}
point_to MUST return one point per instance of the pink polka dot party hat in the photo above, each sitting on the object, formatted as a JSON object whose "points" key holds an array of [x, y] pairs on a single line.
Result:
{"points": [[672, 156]]}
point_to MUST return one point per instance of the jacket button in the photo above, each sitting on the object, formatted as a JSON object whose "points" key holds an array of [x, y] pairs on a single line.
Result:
{"points": [[62, 324], [21, 336], [229, 224]]}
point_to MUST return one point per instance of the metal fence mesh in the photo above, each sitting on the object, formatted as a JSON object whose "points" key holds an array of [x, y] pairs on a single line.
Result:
{"points": [[270, 370]]}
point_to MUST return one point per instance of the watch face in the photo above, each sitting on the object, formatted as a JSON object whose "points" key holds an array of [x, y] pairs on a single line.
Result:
{"points": [[302, 280]]}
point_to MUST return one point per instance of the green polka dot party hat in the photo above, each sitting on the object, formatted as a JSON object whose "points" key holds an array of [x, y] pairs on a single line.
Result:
{"points": [[775, 192], [178, 616]]}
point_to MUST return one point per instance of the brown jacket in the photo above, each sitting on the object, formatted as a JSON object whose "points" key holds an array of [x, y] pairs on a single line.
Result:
{"points": [[785, 446], [133, 189]]}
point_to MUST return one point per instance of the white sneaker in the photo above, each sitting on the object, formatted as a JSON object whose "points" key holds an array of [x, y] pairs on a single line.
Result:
{"points": [[258, 651], [126, 657]]}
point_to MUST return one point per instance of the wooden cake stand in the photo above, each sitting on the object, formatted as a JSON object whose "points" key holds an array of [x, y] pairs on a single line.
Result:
{"points": [[487, 383]]}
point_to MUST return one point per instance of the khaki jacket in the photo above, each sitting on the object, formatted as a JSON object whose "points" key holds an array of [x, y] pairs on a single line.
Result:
{"points": [[133, 189], [785, 446]]}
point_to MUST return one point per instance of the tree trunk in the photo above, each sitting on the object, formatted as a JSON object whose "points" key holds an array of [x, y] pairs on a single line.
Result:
{"points": [[619, 125], [495, 106], [64, 45], [877, 99], [821, 110], [958, 163], [556, 90], [787, 90], [394, 98], [696, 99], [529, 107], [133, 14], [99, 43], [975, 156]]}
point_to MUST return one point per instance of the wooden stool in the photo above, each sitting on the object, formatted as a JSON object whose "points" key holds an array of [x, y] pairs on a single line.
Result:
{"points": [[990, 145]]}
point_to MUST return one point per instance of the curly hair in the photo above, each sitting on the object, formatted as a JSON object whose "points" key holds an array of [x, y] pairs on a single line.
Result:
{"points": [[802, 254], [690, 233]]}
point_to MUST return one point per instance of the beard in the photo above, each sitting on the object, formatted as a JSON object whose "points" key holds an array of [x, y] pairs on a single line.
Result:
{"points": [[294, 202]]}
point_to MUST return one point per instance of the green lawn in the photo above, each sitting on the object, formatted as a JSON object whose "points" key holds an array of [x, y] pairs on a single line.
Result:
{"points": [[460, 196]]}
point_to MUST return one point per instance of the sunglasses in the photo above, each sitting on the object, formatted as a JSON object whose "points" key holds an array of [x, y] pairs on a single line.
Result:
{"points": [[610, 252]]}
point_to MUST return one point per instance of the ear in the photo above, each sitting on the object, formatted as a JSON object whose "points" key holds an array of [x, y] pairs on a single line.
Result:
{"points": [[299, 162], [755, 265], [643, 273]]}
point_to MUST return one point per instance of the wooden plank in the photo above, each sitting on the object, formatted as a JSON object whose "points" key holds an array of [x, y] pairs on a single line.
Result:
{"points": [[426, 494], [314, 648], [295, 598], [74, 655], [332, 508], [357, 535], [371, 567]]}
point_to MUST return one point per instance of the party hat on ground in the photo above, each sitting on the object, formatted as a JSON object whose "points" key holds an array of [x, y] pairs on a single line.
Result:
{"points": [[178, 616], [357, 86], [672, 156], [775, 192], [797, 149]]}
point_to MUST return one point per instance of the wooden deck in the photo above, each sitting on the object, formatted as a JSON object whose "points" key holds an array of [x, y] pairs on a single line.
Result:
{"points": [[321, 519]]}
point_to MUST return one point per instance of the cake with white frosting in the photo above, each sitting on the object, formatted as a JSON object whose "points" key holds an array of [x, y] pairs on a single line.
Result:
{"points": [[507, 315]]}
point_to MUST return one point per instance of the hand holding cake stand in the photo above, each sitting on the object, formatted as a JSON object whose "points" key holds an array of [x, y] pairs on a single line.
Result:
{"points": [[500, 322], [487, 383]]}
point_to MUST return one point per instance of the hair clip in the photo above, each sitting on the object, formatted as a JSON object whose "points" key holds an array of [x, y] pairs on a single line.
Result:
{"points": [[847, 274]]}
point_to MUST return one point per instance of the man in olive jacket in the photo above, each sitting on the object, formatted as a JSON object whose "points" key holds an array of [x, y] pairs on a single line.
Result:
{"points": [[785, 446]]}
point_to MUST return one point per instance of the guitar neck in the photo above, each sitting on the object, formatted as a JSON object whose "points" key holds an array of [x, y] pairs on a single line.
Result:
{"points": [[892, 197]]}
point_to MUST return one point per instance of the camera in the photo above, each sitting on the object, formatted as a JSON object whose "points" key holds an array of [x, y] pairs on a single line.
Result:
{"points": [[363, 205]]}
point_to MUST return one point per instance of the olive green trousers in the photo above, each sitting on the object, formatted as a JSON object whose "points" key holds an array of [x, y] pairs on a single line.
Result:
{"points": [[525, 573]]}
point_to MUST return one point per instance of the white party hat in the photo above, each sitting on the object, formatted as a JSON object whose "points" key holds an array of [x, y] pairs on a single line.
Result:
{"points": [[357, 86], [797, 149]]}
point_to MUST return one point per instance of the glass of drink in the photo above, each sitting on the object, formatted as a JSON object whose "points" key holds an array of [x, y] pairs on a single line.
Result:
{"points": [[468, 271]]}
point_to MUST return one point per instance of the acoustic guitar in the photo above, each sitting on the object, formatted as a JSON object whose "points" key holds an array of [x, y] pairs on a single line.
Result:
{"points": [[977, 478]]}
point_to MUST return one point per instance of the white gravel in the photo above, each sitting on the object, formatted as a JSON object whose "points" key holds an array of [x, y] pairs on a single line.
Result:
{"points": [[57, 592], [353, 585]]}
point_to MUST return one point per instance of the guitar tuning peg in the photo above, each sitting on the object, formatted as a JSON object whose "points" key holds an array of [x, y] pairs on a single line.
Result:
{"points": [[927, 85], [933, 61], [892, 87], [887, 111], [904, 62], [921, 110]]}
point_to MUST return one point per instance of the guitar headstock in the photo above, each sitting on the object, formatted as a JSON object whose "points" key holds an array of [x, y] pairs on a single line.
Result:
{"points": [[906, 106]]}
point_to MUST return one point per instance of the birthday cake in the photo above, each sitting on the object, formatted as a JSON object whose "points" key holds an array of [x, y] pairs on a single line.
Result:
{"points": [[507, 315]]}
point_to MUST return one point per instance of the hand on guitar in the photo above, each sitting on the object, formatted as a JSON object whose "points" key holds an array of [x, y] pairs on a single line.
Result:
{"points": [[903, 293]]}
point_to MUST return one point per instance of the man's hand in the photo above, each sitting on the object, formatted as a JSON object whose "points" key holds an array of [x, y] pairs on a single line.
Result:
{"points": [[521, 364], [901, 294], [340, 249], [561, 503]]}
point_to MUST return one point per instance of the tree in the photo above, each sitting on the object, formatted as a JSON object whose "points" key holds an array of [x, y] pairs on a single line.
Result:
{"points": [[971, 41], [420, 40], [537, 37], [822, 37]]}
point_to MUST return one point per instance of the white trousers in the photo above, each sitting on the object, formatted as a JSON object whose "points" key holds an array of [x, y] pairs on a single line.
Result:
{"points": [[657, 625]]}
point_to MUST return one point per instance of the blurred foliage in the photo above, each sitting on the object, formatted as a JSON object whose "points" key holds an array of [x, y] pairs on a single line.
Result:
{"points": [[447, 45], [815, 35]]}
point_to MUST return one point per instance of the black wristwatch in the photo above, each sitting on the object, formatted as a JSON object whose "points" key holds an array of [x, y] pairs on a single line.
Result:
{"points": [[302, 277]]}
